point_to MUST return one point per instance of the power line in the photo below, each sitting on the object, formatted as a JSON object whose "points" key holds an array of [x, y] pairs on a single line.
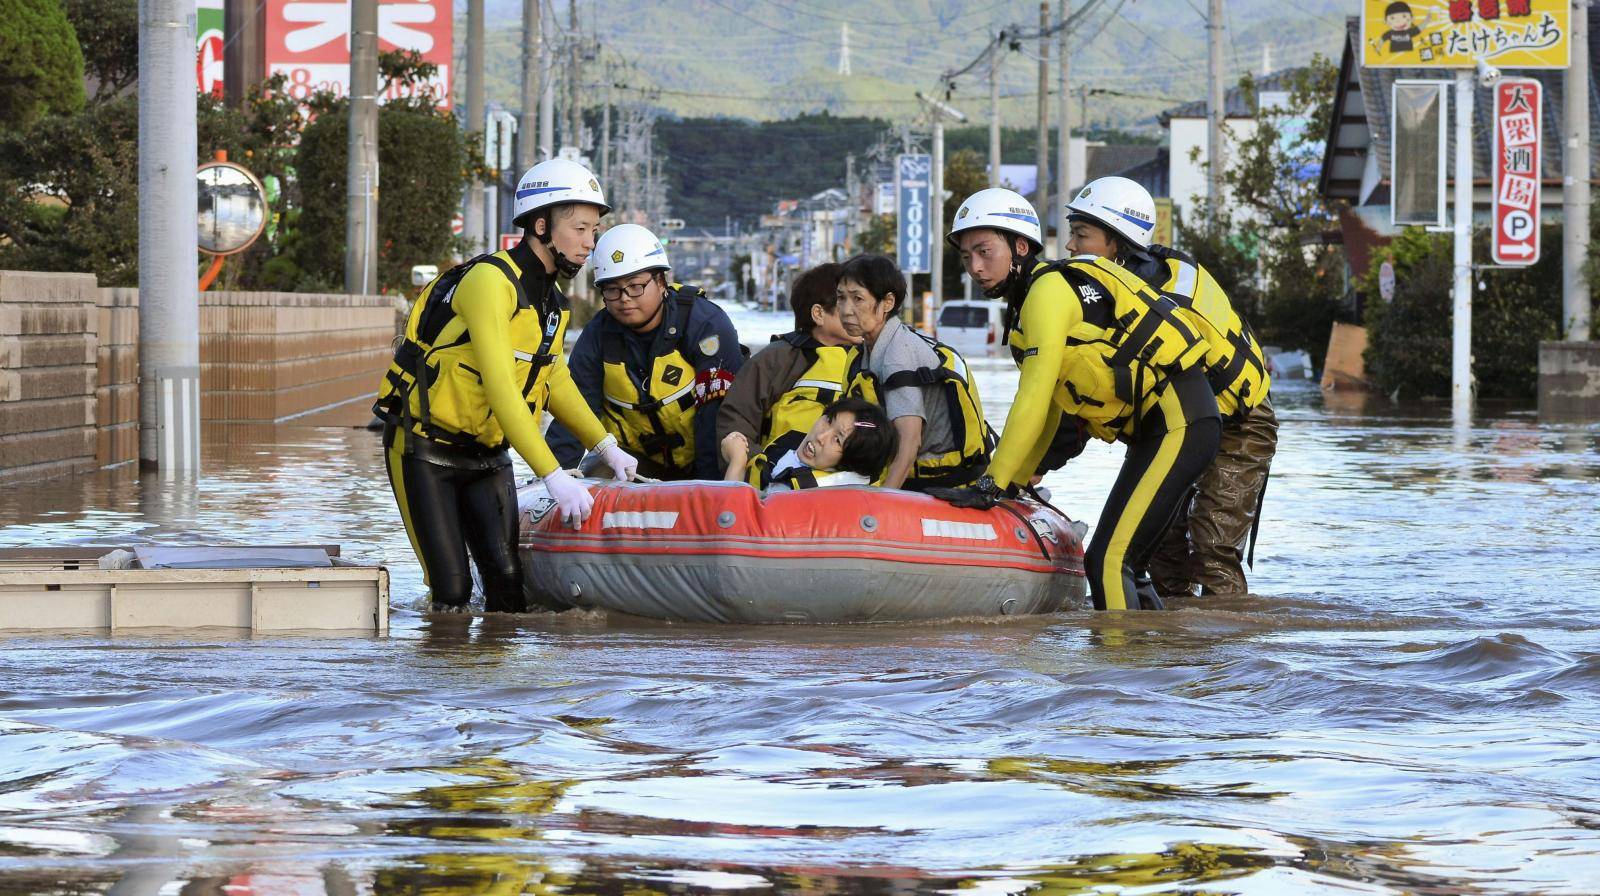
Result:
{"points": [[894, 22]]}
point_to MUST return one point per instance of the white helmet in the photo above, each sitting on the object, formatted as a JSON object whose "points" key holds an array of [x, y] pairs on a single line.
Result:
{"points": [[1119, 205], [627, 249], [998, 209], [555, 182]]}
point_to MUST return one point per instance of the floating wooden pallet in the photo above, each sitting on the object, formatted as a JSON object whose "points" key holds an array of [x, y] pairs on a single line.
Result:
{"points": [[63, 588]]}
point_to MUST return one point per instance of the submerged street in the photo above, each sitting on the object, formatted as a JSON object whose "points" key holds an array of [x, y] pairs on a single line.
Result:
{"points": [[1410, 701]]}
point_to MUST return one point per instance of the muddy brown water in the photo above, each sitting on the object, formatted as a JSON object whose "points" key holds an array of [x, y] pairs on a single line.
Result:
{"points": [[1411, 704]]}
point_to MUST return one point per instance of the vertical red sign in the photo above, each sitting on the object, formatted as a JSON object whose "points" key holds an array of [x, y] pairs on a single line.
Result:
{"points": [[309, 41], [1518, 126]]}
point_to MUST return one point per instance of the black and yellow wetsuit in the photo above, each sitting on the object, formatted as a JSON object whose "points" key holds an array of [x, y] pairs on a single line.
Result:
{"points": [[1096, 343], [787, 420], [1205, 546], [658, 392], [480, 359], [972, 438]]}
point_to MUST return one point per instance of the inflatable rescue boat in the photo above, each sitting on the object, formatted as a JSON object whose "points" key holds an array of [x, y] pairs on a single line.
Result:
{"points": [[721, 552]]}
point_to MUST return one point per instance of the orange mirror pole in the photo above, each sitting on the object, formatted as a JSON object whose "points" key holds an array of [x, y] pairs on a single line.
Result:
{"points": [[210, 276]]}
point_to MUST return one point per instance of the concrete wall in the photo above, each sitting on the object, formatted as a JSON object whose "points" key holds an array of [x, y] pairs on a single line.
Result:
{"points": [[270, 357], [117, 389], [47, 374], [1569, 381], [69, 367]]}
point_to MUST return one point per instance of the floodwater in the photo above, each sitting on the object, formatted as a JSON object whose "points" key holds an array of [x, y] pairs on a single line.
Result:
{"points": [[1410, 705]]}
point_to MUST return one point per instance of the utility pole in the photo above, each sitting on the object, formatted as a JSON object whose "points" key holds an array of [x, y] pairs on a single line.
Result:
{"points": [[1041, 162], [938, 112], [1461, 316], [169, 313], [475, 226], [361, 169], [1215, 111], [1575, 196], [994, 109], [1063, 136], [528, 119], [244, 60], [605, 135], [853, 191], [574, 82], [547, 95]]}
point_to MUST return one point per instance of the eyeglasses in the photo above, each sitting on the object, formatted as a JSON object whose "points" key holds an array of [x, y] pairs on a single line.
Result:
{"points": [[631, 290]]}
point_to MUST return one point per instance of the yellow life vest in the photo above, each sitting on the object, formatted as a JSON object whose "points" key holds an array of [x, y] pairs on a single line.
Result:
{"points": [[1122, 352], [785, 424], [451, 407], [1235, 364], [974, 437], [653, 415]]}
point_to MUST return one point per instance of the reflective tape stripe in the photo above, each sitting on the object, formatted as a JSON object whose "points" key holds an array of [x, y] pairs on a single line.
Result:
{"points": [[639, 519], [819, 384], [1185, 280], [665, 401], [954, 529]]}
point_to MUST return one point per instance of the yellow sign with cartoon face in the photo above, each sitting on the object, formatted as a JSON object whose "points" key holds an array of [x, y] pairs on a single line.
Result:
{"points": [[1457, 33]]}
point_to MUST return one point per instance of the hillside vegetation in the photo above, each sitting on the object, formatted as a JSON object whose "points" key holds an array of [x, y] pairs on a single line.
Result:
{"points": [[773, 59]]}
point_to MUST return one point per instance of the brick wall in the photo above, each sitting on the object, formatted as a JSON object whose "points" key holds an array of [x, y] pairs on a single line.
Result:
{"points": [[69, 366], [47, 374]]}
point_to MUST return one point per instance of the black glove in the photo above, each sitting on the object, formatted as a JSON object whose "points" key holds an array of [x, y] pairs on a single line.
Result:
{"points": [[980, 495]]}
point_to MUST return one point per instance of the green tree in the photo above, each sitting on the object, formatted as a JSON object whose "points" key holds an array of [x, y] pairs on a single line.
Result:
{"points": [[262, 136], [108, 35], [1409, 336], [1268, 248], [41, 68], [423, 161], [722, 166], [69, 193]]}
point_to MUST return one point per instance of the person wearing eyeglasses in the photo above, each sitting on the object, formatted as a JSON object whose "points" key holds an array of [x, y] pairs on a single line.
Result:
{"points": [[655, 363]]}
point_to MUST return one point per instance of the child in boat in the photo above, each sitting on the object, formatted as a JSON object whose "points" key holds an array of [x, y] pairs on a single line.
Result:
{"points": [[850, 444]]}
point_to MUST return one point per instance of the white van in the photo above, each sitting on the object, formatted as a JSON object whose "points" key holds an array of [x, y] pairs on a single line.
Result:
{"points": [[971, 328]]}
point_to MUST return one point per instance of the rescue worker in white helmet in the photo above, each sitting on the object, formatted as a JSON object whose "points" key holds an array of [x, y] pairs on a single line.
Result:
{"points": [[784, 387], [655, 363], [481, 358], [1096, 343], [1113, 217]]}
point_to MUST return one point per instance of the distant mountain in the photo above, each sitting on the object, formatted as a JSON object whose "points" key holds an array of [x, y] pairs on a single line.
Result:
{"points": [[771, 59]]}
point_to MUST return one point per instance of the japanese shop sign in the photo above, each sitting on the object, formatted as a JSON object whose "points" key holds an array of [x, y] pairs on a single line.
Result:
{"points": [[1516, 140], [1457, 33], [309, 41], [208, 46]]}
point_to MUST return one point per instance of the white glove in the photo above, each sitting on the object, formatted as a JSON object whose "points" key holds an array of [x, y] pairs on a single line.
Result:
{"points": [[623, 465], [570, 496]]}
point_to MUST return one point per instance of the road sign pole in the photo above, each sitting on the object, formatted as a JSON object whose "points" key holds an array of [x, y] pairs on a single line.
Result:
{"points": [[1575, 186], [1461, 316]]}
